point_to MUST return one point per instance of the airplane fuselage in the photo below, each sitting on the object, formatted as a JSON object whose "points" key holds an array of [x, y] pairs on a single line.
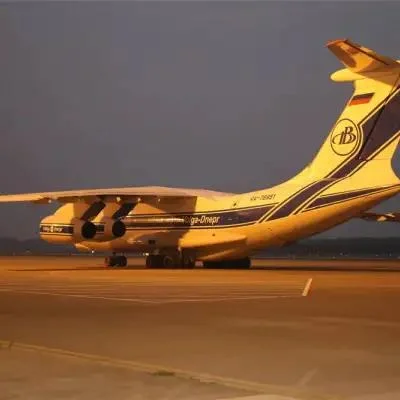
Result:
{"points": [[266, 218]]}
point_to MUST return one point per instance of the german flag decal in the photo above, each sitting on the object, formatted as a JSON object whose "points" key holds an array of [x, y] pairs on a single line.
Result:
{"points": [[361, 99]]}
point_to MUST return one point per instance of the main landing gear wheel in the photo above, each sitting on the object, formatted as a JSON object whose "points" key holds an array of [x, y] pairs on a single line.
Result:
{"points": [[116, 261], [157, 261], [167, 261], [188, 263], [242, 263]]}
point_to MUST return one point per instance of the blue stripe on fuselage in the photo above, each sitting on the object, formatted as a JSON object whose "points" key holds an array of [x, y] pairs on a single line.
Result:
{"points": [[207, 219]]}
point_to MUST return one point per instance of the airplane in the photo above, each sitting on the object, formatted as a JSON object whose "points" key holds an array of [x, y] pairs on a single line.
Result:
{"points": [[175, 227]]}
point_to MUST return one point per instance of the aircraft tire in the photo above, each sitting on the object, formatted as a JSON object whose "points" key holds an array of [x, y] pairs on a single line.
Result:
{"points": [[116, 261], [187, 261], [169, 262], [109, 261], [122, 261], [155, 261]]}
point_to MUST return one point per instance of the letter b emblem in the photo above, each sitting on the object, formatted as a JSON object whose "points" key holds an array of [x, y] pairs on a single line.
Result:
{"points": [[345, 137]]}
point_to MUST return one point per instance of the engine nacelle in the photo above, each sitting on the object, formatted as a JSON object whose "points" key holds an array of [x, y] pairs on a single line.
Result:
{"points": [[109, 229], [53, 230]]}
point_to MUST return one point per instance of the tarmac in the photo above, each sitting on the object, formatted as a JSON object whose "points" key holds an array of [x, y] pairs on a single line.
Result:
{"points": [[286, 329]]}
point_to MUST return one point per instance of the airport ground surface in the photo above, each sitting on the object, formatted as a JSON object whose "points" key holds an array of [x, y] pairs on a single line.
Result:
{"points": [[70, 328]]}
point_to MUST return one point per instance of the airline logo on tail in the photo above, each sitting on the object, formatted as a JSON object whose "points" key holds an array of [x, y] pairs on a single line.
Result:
{"points": [[345, 137]]}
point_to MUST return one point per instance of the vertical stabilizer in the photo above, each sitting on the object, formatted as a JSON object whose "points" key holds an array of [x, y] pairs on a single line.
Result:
{"points": [[369, 127]]}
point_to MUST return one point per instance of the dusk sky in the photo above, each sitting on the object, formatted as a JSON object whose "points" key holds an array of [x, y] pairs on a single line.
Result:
{"points": [[230, 96]]}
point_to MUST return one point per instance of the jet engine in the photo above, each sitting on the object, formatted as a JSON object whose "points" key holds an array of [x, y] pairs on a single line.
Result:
{"points": [[75, 230], [80, 222], [108, 229]]}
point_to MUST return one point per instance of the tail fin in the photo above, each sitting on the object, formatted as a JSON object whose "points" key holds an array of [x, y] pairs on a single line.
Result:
{"points": [[369, 127]]}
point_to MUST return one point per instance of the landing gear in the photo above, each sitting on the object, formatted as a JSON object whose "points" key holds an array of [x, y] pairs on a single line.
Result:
{"points": [[187, 261], [116, 261], [170, 261], [242, 263], [157, 261]]}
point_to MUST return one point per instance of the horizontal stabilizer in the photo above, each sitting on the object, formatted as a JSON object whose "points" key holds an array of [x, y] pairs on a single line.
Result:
{"points": [[359, 59], [389, 217]]}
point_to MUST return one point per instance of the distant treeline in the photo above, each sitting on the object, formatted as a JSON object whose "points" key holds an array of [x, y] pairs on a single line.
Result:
{"points": [[10, 246], [338, 247], [388, 247]]}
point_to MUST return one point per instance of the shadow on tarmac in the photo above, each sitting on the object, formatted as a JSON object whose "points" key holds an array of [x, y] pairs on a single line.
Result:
{"points": [[360, 269]]}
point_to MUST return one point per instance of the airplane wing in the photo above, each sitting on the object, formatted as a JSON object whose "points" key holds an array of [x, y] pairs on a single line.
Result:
{"points": [[389, 217], [117, 194]]}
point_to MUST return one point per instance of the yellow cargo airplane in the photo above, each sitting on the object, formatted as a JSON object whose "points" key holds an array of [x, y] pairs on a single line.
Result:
{"points": [[351, 173]]}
